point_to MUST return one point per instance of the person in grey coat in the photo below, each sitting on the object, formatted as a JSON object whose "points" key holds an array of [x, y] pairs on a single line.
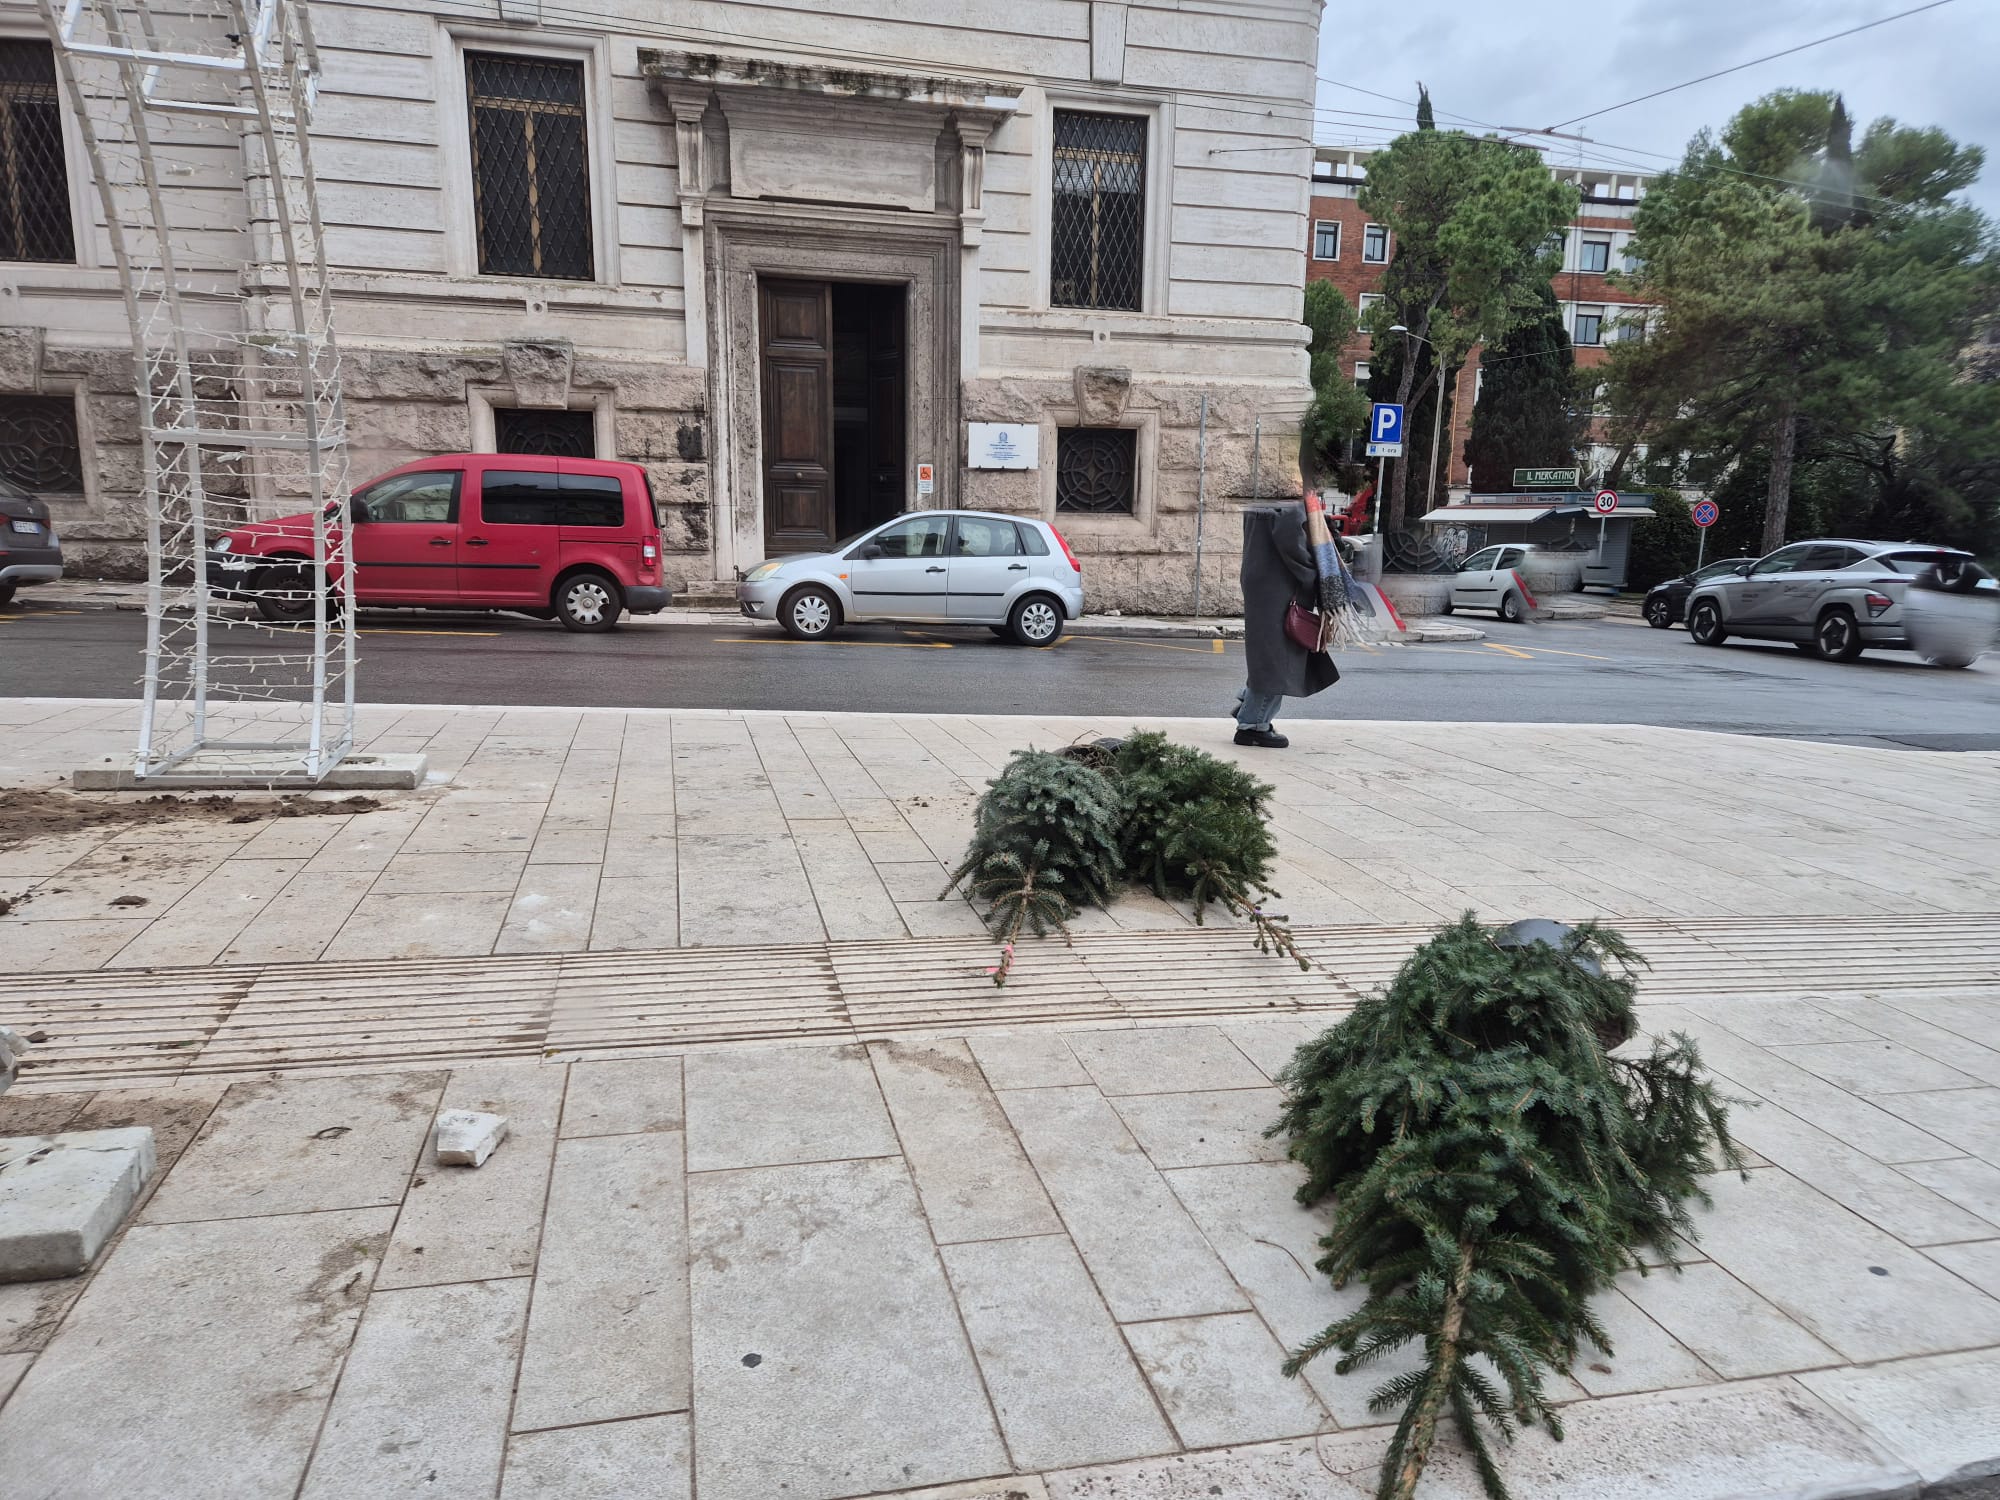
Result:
{"points": [[1277, 568]]}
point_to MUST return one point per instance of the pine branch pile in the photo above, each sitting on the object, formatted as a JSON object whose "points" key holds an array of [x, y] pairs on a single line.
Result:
{"points": [[1492, 1167]]}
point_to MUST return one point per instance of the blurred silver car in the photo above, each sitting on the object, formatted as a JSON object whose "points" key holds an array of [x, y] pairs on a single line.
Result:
{"points": [[1833, 598], [960, 567], [30, 551]]}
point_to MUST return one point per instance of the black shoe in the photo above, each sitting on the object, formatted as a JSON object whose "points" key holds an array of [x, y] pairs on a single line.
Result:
{"points": [[1264, 739]]}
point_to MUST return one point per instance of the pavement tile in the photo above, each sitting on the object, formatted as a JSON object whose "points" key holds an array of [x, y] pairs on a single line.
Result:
{"points": [[1060, 1375], [623, 1097], [1919, 1035], [204, 921], [636, 912], [433, 874], [608, 1330], [1219, 1380], [853, 902], [1729, 1327], [29, 946], [1937, 1415], [368, 842], [1972, 1184], [12, 1368], [743, 887], [1026, 1059], [855, 1354], [473, 1224], [1272, 1044], [1204, 1130], [1968, 1118], [1156, 1059], [644, 1458], [297, 924], [422, 1403], [461, 825], [295, 1145], [568, 846], [1781, 1022], [465, 925], [198, 1361], [31, 1310], [39, 1114], [1643, 1357], [765, 1107], [1978, 1261], [970, 1172], [551, 911], [1875, 1066], [1148, 1258]]}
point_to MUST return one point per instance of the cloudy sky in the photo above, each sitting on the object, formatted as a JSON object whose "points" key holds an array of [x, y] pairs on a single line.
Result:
{"points": [[1537, 62]]}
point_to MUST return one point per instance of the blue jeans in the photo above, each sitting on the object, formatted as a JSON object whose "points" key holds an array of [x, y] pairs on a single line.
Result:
{"points": [[1256, 710]]}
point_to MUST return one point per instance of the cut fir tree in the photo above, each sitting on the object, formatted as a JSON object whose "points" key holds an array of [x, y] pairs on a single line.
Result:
{"points": [[1492, 1166]]}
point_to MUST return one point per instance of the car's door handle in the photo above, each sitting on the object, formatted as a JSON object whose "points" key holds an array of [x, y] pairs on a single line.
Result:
{"points": [[444, 541], [475, 541], [1017, 567], [933, 570]]}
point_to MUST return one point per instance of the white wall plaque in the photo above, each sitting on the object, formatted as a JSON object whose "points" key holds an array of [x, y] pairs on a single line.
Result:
{"points": [[1003, 445]]}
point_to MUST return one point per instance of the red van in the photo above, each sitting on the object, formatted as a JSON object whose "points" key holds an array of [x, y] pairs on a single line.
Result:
{"points": [[571, 539]]}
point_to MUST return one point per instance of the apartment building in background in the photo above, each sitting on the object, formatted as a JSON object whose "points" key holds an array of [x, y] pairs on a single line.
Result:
{"points": [[1343, 247], [785, 254]]}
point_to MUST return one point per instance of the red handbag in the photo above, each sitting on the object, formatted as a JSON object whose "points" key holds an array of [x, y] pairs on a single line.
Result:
{"points": [[1305, 627]]}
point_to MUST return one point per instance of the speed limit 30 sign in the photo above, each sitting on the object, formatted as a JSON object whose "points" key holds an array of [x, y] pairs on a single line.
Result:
{"points": [[1605, 502]]}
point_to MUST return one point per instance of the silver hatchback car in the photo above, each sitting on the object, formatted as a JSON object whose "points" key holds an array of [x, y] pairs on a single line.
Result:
{"points": [[1832, 598], [1014, 575]]}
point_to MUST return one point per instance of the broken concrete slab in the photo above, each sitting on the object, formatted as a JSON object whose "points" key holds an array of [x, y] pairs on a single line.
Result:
{"points": [[61, 1196], [466, 1137]]}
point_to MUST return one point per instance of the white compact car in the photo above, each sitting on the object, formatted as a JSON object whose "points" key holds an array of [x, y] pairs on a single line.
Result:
{"points": [[1489, 579], [943, 567]]}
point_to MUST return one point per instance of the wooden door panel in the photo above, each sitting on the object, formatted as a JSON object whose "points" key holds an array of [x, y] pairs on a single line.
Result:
{"points": [[796, 320]]}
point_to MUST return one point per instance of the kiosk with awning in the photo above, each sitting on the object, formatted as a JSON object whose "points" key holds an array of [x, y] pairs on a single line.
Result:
{"points": [[1562, 522]]}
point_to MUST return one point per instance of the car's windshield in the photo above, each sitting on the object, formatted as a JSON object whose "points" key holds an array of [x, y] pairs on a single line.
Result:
{"points": [[1718, 569]]}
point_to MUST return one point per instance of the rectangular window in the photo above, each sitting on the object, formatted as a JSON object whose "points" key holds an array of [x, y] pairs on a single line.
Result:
{"points": [[1361, 373], [1589, 326], [1097, 470], [1593, 255], [514, 498], [38, 444], [1098, 213], [555, 434], [1365, 301], [1326, 239], [530, 166], [592, 500], [34, 178], [1375, 244]]}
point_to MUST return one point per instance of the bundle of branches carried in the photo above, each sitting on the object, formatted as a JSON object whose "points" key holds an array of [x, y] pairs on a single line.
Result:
{"points": [[1492, 1166]]}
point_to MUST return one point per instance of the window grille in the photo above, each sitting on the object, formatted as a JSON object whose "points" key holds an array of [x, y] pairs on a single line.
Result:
{"points": [[1096, 470], [34, 178], [1098, 212], [530, 166], [556, 434], [38, 445]]}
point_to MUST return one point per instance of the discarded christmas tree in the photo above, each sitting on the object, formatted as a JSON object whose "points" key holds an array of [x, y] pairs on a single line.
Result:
{"points": [[1044, 845], [1492, 1166]]}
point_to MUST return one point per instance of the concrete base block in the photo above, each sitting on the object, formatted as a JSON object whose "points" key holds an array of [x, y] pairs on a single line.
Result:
{"points": [[61, 1196], [1417, 593], [465, 1137], [239, 771]]}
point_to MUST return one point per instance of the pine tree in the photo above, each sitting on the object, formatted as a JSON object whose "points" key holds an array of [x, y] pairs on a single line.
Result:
{"points": [[1492, 1166], [1044, 846], [1526, 415], [1426, 120]]}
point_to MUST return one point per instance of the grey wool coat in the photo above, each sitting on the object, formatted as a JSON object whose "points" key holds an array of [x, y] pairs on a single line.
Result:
{"points": [[1278, 567]]}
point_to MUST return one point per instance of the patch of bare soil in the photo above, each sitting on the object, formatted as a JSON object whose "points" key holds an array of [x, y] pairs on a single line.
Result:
{"points": [[27, 813]]}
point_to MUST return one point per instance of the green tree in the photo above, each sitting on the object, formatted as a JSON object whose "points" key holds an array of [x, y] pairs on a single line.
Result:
{"points": [[1472, 219], [1527, 415], [1339, 409], [1665, 546]]}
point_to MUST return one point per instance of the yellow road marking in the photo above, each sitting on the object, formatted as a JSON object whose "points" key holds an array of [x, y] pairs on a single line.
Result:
{"points": [[1161, 645], [785, 640], [1217, 643], [393, 630], [1511, 651], [1584, 655]]}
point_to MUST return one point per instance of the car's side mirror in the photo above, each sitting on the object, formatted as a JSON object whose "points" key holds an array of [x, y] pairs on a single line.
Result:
{"points": [[357, 511], [1743, 569], [871, 552]]}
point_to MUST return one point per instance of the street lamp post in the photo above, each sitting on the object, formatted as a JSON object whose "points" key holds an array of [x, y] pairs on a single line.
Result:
{"points": [[1437, 419]]}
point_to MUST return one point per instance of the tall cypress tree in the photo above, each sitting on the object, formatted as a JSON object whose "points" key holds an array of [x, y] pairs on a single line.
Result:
{"points": [[1526, 416]]}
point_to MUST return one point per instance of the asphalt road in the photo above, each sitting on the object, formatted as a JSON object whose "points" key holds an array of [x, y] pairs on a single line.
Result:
{"points": [[1608, 671]]}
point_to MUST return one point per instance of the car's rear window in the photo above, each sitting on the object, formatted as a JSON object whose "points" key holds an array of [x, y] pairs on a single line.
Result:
{"points": [[1032, 541], [592, 500], [652, 501], [1918, 562]]}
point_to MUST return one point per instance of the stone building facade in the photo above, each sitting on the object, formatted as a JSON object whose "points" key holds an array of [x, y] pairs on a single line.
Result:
{"points": [[785, 254]]}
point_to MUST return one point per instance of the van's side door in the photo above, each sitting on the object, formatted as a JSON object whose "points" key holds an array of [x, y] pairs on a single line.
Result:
{"points": [[404, 538], [509, 549]]}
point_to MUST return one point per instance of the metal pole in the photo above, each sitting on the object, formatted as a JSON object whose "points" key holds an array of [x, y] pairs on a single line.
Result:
{"points": [[1700, 546], [1375, 500], [1200, 497], [1437, 430]]}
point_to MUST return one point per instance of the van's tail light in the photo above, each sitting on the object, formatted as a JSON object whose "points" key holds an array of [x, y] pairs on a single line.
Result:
{"points": [[1877, 603], [650, 551], [1066, 552]]}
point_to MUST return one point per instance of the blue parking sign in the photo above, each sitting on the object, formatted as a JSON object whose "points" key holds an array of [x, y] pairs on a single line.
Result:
{"points": [[1385, 422]]}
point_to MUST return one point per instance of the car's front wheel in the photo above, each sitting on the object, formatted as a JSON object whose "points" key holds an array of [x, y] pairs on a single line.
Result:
{"points": [[808, 613], [1658, 615], [1705, 624], [1835, 635], [588, 602], [282, 594], [1511, 609], [1036, 621]]}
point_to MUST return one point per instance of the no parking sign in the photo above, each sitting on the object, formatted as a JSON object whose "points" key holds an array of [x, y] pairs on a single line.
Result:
{"points": [[1705, 513]]}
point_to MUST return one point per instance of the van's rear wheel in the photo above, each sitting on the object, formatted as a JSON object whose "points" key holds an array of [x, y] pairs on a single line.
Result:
{"points": [[588, 602]]}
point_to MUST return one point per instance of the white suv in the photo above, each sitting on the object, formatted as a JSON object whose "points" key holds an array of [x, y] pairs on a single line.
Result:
{"points": [[959, 567]]}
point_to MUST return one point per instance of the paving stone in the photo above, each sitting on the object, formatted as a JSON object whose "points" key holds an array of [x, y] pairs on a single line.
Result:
{"points": [[771, 1106], [1059, 1374], [1978, 1261], [1219, 1380], [1155, 1059], [636, 913], [198, 1361], [1148, 1258], [175, 1115], [1204, 1130], [974, 1180], [1026, 1059], [643, 1458], [1972, 1184], [1920, 1035], [31, 1310], [12, 1368], [467, 1137], [1968, 1118], [623, 1097], [1876, 1066], [422, 1403], [854, 1353], [465, 926], [1644, 1356], [1272, 1044], [293, 1145], [462, 1226], [1732, 1329], [39, 1114], [1778, 1023], [608, 1333], [1938, 1415], [551, 911], [62, 1196]]}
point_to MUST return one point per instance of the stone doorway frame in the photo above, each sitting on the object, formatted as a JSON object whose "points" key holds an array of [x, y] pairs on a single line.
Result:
{"points": [[746, 241]]}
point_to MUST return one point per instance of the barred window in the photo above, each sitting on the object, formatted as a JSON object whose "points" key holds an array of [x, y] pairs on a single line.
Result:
{"points": [[38, 445], [530, 166], [1096, 470], [556, 434], [1098, 213], [34, 179]]}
